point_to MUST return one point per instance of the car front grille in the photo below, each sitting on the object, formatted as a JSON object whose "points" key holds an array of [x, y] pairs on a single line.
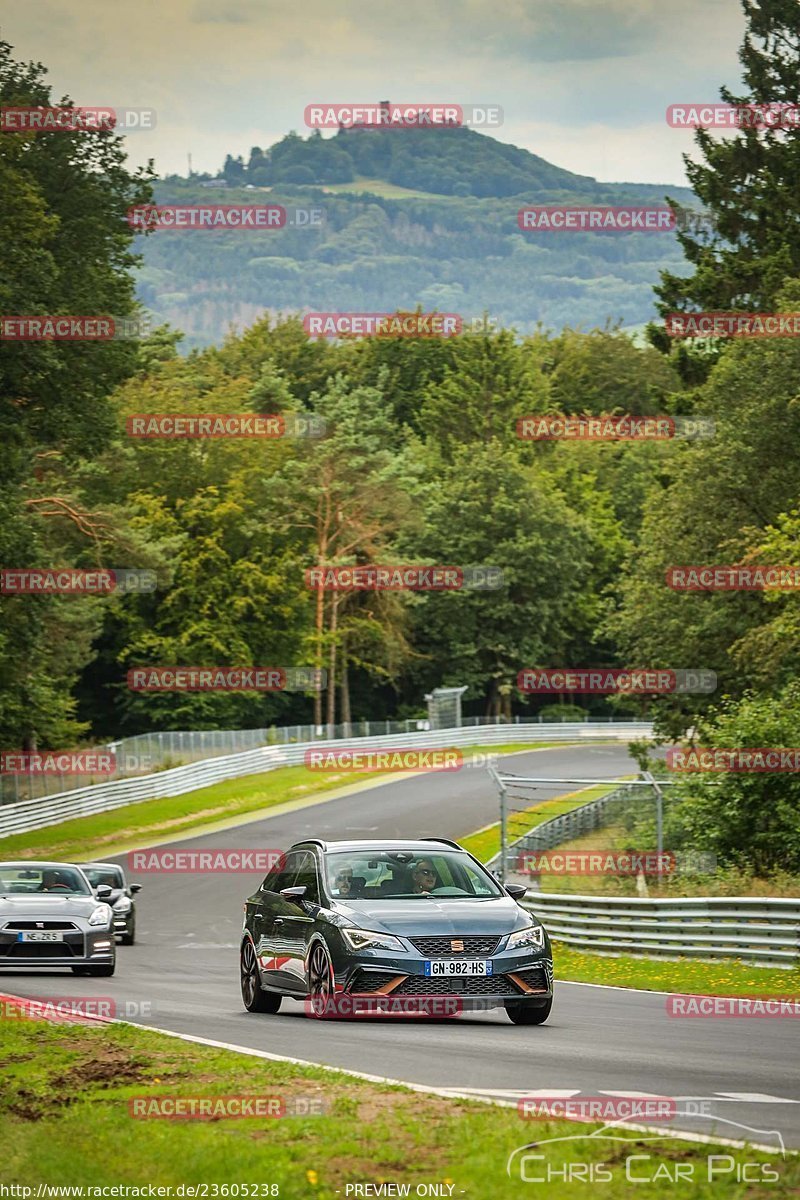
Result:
{"points": [[447, 985], [535, 978], [40, 950], [17, 925], [432, 947]]}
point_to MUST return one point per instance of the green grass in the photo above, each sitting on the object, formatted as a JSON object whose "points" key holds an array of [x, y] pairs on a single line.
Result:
{"points": [[64, 1108], [151, 820], [379, 187], [729, 978]]}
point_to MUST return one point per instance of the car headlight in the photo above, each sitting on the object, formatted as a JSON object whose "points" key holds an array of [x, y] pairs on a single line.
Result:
{"points": [[101, 915], [123, 905], [365, 939], [532, 936]]}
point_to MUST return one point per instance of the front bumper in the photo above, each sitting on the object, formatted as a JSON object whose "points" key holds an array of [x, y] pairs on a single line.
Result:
{"points": [[517, 975], [81, 945]]}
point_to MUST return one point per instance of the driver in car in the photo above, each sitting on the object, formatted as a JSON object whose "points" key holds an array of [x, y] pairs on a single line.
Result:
{"points": [[345, 884], [423, 877], [55, 881]]}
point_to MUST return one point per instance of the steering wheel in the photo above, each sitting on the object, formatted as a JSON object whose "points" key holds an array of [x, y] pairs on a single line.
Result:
{"points": [[57, 887]]}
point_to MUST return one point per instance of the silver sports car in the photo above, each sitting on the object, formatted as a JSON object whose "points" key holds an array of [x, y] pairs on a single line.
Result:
{"points": [[50, 917]]}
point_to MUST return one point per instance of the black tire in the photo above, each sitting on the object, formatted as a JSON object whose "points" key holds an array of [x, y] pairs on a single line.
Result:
{"points": [[107, 969], [522, 1012], [129, 938], [254, 998], [320, 982]]}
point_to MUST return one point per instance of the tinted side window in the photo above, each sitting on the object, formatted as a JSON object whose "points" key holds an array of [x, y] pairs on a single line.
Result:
{"points": [[307, 877], [285, 877]]}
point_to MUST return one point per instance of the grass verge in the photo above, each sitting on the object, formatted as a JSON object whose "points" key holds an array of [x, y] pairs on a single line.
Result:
{"points": [[729, 978], [150, 820], [66, 1120]]}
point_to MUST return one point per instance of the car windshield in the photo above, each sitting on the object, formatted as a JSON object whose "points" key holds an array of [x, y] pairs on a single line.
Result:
{"points": [[406, 874], [104, 875], [19, 879]]}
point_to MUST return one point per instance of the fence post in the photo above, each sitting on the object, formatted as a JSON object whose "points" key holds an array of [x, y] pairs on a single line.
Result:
{"points": [[659, 812]]}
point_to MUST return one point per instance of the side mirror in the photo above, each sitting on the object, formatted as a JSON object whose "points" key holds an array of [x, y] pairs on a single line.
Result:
{"points": [[293, 894], [103, 891], [134, 888], [516, 890]]}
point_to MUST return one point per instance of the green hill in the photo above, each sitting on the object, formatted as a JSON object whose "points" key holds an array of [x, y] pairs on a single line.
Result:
{"points": [[413, 217]]}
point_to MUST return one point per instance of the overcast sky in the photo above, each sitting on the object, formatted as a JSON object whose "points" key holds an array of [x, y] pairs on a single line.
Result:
{"points": [[584, 83]]}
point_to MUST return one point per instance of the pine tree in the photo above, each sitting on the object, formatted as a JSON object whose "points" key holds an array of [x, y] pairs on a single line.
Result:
{"points": [[749, 184]]}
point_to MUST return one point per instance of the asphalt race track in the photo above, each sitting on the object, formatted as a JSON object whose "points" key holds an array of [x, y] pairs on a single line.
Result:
{"points": [[184, 966]]}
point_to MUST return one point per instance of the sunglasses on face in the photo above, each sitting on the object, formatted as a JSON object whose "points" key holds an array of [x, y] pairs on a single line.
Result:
{"points": [[424, 871]]}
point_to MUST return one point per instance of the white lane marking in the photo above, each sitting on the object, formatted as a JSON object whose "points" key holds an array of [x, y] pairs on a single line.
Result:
{"points": [[207, 946], [633, 1095], [568, 1093], [550, 1093], [448, 1093], [614, 987]]}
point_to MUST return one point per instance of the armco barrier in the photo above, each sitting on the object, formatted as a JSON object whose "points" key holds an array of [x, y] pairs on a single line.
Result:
{"points": [[764, 932], [38, 814]]}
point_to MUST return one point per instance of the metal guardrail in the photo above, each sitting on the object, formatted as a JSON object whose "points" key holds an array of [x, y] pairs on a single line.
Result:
{"points": [[763, 932], [585, 818], [101, 797], [158, 750]]}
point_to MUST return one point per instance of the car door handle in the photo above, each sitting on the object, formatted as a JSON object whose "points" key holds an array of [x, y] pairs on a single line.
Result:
{"points": [[278, 921]]}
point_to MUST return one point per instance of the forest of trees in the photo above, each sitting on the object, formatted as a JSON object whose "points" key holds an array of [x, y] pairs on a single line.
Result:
{"points": [[421, 462]]}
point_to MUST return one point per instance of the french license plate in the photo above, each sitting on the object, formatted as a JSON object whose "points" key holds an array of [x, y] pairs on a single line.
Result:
{"points": [[40, 935], [458, 966]]}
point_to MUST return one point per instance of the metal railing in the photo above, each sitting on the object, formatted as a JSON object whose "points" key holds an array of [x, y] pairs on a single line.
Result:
{"points": [[764, 932], [584, 818], [143, 753], [40, 813]]}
